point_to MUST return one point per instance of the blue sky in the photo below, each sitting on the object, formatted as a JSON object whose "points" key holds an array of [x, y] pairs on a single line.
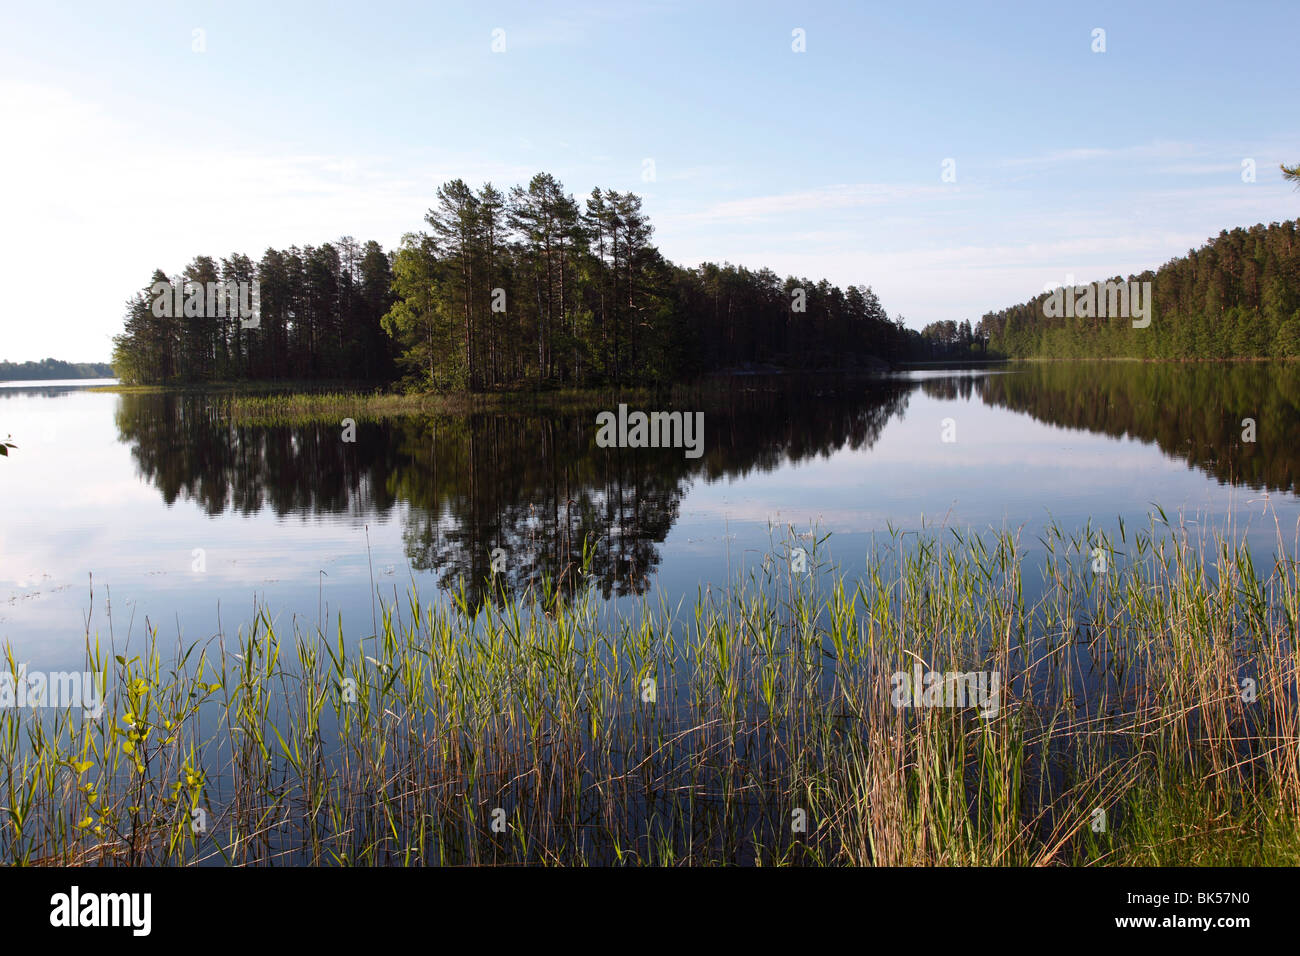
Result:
{"points": [[127, 150]]}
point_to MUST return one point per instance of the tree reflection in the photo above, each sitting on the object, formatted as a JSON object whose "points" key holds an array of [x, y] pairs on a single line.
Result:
{"points": [[533, 485], [1192, 412]]}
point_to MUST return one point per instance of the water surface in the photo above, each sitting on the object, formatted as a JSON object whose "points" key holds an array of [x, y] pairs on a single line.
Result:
{"points": [[185, 520]]}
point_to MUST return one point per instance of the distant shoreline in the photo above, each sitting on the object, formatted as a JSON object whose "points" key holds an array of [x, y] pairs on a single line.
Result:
{"points": [[52, 369]]}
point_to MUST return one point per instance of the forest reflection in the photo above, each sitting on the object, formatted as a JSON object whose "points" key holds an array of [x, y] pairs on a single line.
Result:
{"points": [[1193, 412], [534, 485]]}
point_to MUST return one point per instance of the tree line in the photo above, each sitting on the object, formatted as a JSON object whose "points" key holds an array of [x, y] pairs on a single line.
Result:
{"points": [[1237, 296], [523, 287], [319, 316], [51, 368], [953, 340]]}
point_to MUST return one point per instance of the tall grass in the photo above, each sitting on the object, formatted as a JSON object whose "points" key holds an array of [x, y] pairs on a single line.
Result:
{"points": [[754, 726], [304, 407]]}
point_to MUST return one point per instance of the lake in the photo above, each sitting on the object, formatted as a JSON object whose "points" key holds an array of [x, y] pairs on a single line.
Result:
{"points": [[185, 521]]}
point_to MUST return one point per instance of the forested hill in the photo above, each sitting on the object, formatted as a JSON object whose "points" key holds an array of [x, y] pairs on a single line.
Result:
{"points": [[51, 369], [1237, 296], [524, 287]]}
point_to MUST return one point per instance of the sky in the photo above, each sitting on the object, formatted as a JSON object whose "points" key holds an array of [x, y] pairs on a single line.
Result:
{"points": [[957, 160]]}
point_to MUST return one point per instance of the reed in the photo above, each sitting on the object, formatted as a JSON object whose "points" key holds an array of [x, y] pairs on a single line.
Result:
{"points": [[1147, 714], [333, 407]]}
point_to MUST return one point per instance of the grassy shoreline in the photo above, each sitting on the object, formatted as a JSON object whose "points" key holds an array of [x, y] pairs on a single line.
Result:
{"points": [[335, 406], [756, 726], [302, 402], [305, 403]]}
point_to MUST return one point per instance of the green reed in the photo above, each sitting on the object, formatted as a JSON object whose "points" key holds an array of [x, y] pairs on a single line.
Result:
{"points": [[301, 407], [1147, 715]]}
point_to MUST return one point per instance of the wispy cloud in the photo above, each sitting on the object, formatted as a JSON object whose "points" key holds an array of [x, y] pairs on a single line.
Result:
{"points": [[834, 197], [1156, 150]]}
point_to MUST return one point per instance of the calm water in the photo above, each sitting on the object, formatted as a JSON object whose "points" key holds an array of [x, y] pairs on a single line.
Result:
{"points": [[135, 489]]}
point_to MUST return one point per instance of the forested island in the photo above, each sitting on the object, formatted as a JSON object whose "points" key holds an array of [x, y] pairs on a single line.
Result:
{"points": [[521, 288], [51, 368]]}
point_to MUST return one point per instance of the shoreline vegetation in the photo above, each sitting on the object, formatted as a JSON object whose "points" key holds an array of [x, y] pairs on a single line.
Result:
{"points": [[272, 403], [275, 403], [1145, 714], [306, 389]]}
